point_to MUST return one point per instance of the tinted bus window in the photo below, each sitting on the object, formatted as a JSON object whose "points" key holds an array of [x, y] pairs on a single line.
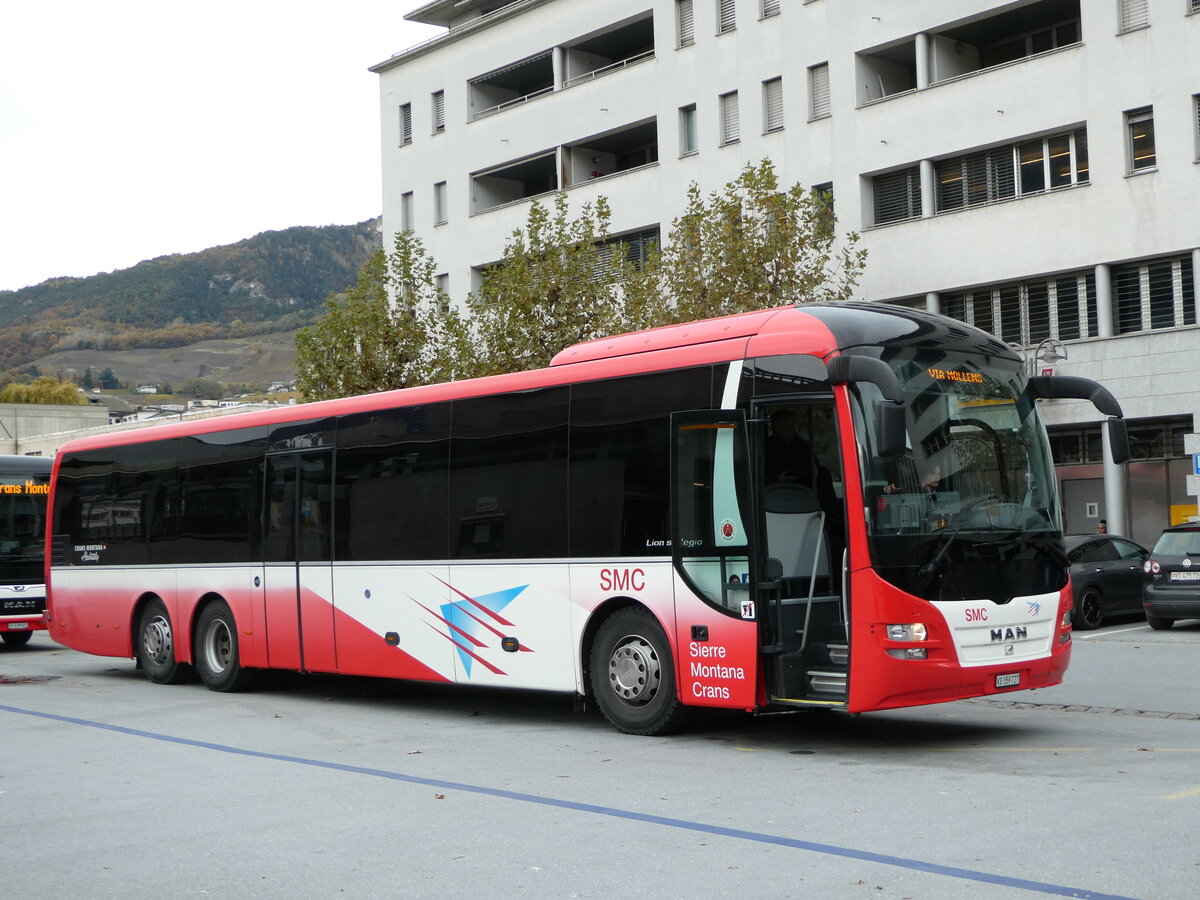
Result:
{"points": [[620, 459], [220, 487], [508, 476], [119, 506], [391, 489]]}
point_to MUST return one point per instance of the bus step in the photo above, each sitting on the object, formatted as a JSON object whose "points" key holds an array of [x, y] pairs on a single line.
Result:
{"points": [[827, 682], [839, 654]]}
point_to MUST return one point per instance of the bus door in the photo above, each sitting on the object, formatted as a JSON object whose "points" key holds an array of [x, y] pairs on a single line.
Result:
{"points": [[297, 569], [712, 550], [805, 633]]}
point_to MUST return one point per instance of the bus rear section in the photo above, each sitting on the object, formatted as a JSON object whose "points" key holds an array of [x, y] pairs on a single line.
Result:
{"points": [[24, 489]]}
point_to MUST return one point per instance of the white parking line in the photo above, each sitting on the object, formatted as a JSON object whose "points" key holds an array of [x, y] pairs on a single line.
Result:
{"points": [[1100, 634]]}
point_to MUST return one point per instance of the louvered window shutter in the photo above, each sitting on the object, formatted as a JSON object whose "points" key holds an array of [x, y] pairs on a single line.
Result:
{"points": [[773, 104], [728, 18], [687, 28], [731, 128], [897, 195], [818, 87], [1134, 14]]}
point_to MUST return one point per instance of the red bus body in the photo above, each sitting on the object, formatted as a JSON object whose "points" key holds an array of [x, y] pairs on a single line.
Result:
{"points": [[533, 622]]}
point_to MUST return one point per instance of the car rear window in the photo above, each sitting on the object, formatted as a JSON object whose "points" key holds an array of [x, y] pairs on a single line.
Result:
{"points": [[1178, 543]]}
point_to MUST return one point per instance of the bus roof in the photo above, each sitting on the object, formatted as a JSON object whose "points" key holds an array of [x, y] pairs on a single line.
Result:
{"points": [[813, 329]]}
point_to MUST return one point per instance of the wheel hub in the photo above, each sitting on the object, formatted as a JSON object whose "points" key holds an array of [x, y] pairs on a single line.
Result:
{"points": [[218, 647], [634, 672], [156, 638]]}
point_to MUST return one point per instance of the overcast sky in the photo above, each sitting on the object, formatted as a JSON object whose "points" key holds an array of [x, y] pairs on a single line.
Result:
{"points": [[131, 129]]}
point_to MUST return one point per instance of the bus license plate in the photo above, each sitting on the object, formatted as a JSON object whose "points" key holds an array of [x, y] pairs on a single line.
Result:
{"points": [[1010, 680], [18, 626]]}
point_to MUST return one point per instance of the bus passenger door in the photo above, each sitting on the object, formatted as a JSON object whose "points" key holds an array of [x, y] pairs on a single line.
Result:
{"points": [[803, 536], [297, 568], [712, 549]]}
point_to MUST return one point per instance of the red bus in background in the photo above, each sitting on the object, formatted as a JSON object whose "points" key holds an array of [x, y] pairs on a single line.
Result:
{"points": [[24, 490], [849, 506]]}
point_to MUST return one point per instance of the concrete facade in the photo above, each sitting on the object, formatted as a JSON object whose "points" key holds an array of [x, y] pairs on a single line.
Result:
{"points": [[993, 156]]}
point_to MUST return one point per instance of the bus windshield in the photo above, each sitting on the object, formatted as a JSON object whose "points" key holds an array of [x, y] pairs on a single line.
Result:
{"points": [[22, 528], [970, 510]]}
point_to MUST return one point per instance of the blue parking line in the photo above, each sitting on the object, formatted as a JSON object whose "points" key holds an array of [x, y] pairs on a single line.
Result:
{"points": [[683, 824]]}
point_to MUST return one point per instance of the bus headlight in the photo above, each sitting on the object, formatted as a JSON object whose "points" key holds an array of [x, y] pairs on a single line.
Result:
{"points": [[911, 632]]}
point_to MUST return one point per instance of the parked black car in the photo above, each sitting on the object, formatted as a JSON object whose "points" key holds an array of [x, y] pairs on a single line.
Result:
{"points": [[1173, 583], [1106, 577]]}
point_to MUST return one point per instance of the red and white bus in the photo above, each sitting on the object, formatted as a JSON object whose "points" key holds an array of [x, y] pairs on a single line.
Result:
{"points": [[24, 489], [848, 506]]}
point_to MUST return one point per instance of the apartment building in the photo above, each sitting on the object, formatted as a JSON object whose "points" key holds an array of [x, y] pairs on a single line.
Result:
{"points": [[1030, 167]]}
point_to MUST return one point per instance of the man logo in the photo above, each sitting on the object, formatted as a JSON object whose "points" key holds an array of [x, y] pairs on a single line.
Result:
{"points": [[1019, 633]]}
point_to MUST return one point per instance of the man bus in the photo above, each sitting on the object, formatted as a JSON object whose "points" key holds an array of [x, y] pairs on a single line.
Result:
{"points": [[603, 526], [24, 489]]}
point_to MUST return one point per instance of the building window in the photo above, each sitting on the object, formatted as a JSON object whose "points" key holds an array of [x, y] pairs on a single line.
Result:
{"points": [[406, 211], [687, 130], [1002, 173], [439, 111], [773, 105], [1029, 312], [771, 8], [1153, 295], [824, 193], [1196, 118], [405, 124], [731, 128], [726, 16], [1134, 14], [1139, 126], [442, 284], [686, 23], [818, 91], [897, 195], [439, 203]]}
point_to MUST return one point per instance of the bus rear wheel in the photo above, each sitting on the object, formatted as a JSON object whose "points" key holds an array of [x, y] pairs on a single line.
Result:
{"points": [[156, 646], [218, 661], [16, 638], [633, 674]]}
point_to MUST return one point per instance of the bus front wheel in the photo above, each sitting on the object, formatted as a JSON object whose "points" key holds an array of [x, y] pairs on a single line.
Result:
{"points": [[16, 638], [156, 646], [633, 675], [216, 653]]}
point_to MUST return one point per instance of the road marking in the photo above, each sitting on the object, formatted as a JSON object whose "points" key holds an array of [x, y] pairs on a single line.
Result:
{"points": [[1182, 796], [1012, 749], [899, 862]]}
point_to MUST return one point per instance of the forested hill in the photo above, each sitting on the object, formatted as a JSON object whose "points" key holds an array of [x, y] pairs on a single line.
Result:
{"points": [[275, 281]]}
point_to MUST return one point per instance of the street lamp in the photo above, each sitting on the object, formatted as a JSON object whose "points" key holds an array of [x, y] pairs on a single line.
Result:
{"points": [[1048, 352]]}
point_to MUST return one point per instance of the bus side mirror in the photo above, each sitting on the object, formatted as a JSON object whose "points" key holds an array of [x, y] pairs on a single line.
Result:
{"points": [[890, 428], [1118, 440]]}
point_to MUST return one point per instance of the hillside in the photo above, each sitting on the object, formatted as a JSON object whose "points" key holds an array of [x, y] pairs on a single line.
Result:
{"points": [[258, 360], [276, 281]]}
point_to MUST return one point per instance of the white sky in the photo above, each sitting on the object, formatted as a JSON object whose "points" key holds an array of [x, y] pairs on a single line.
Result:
{"points": [[131, 129]]}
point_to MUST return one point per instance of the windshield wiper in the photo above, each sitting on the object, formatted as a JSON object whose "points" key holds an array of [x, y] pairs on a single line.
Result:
{"points": [[934, 564]]}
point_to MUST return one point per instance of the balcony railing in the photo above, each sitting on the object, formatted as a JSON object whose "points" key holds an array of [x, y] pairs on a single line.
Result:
{"points": [[605, 70]]}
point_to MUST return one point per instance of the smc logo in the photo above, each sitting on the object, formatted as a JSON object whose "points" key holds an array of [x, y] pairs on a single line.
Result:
{"points": [[622, 580], [977, 615]]}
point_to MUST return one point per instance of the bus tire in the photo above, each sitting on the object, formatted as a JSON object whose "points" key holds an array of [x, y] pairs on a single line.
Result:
{"points": [[16, 638], [633, 674], [218, 662], [155, 648]]}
